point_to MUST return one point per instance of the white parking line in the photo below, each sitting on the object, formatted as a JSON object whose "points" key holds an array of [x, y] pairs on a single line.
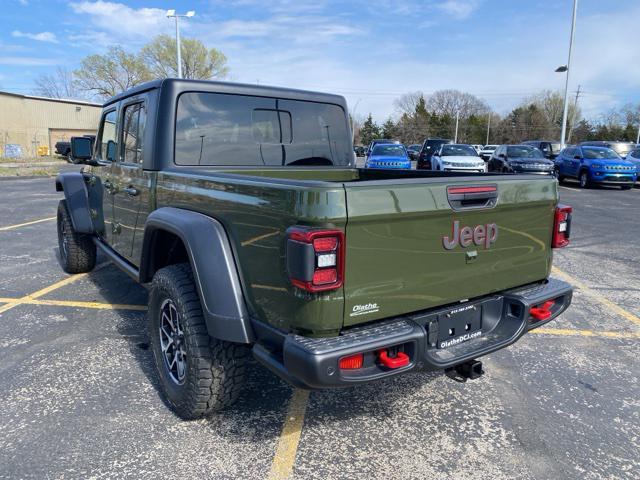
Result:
{"points": [[569, 188]]}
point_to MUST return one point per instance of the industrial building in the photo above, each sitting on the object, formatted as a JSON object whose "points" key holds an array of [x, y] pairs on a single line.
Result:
{"points": [[31, 125]]}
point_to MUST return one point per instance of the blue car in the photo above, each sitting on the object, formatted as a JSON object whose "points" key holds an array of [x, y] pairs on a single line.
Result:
{"points": [[595, 165], [389, 155]]}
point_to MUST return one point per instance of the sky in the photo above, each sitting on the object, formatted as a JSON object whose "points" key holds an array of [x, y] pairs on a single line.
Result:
{"points": [[370, 51]]}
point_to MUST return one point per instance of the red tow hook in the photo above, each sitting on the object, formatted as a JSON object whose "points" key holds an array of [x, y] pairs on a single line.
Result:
{"points": [[542, 312], [400, 360]]}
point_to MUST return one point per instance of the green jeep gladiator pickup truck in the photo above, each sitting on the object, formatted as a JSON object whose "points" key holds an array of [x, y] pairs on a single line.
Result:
{"points": [[243, 209]]}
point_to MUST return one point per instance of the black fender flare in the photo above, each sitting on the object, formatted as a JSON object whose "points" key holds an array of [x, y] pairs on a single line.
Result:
{"points": [[75, 192], [214, 269]]}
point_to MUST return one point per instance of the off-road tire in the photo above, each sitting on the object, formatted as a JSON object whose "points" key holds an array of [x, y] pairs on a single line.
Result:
{"points": [[215, 370], [77, 250]]}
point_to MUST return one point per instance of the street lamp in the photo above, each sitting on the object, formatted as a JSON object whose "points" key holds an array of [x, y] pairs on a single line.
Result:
{"points": [[177, 16], [566, 68]]}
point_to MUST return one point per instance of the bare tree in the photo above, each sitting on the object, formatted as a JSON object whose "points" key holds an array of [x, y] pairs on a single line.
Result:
{"points": [[450, 102], [109, 74], [59, 84], [408, 102]]}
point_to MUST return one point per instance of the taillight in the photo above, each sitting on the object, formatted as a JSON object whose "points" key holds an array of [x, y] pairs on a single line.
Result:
{"points": [[561, 226], [315, 258]]}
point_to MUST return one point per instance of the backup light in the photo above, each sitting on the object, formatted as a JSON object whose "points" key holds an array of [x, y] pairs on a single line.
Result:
{"points": [[315, 258], [561, 226]]}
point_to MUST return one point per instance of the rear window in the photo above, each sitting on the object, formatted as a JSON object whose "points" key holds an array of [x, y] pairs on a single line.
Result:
{"points": [[241, 130], [622, 148]]}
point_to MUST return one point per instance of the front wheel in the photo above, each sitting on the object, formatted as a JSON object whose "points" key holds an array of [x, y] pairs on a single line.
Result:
{"points": [[625, 187], [77, 250], [584, 179], [198, 374]]}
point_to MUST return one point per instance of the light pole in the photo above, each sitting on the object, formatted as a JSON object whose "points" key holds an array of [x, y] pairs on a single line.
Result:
{"points": [[455, 140], [177, 16], [566, 68]]}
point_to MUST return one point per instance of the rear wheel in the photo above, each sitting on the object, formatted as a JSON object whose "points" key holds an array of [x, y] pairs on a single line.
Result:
{"points": [[584, 179], [625, 187], [198, 374], [77, 250]]}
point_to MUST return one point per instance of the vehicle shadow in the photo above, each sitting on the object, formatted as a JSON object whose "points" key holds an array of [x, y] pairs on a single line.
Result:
{"points": [[258, 414]]}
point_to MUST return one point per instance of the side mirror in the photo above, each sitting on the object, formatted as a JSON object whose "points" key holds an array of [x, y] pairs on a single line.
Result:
{"points": [[111, 151], [81, 148], [502, 155], [577, 157]]}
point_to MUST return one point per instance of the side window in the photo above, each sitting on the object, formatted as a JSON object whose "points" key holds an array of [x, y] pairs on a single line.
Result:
{"points": [[133, 123], [108, 145]]}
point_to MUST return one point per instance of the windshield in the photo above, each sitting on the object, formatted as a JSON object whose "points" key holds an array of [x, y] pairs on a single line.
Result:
{"points": [[415, 148], [490, 147], [524, 151], [388, 151], [458, 151], [555, 147], [591, 153]]}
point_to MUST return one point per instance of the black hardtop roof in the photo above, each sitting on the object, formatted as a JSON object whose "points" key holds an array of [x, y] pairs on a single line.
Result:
{"points": [[181, 85]]}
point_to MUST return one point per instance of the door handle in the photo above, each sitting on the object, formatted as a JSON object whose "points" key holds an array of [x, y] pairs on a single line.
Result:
{"points": [[131, 191]]}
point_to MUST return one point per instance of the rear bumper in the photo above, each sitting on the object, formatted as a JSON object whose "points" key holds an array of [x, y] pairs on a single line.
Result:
{"points": [[313, 362]]}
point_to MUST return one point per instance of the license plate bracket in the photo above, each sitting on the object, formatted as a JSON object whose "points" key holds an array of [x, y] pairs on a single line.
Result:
{"points": [[459, 325]]}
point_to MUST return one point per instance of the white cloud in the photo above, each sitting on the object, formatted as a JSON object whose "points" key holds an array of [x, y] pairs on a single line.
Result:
{"points": [[122, 21], [459, 9], [40, 37], [28, 61]]}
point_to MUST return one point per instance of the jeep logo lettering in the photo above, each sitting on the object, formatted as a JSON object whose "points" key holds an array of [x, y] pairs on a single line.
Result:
{"points": [[480, 235]]}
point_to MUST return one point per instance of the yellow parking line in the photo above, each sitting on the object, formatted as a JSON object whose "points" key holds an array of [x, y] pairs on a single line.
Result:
{"points": [[591, 293], [282, 464], [11, 227], [49, 289], [566, 332], [75, 303]]}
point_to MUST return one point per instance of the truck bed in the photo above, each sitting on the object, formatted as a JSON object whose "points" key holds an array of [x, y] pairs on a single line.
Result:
{"points": [[395, 223]]}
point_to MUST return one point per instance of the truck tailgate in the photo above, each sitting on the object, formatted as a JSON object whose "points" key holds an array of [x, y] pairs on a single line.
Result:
{"points": [[407, 248]]}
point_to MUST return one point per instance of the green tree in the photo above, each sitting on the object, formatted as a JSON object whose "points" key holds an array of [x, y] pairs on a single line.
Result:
{"points": [[107, 75], [369, 131], [198, 61], [389, 129]]}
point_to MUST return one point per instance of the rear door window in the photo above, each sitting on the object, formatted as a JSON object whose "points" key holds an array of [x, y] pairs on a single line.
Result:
{"points": [[133, 133]]}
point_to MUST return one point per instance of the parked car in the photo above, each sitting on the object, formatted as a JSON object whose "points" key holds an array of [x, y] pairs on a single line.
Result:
{"points": [[595, 165], [63, 148], [621, 148], [487, 151], [548, 148], [477, 148], [359, 151], [414, 151], [388, 155], [453, 157], [429, 147], [376, 141], [329, 276], [519, 159], [634, 157]]}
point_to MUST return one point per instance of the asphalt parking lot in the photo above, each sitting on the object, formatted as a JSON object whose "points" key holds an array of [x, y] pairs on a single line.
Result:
{"points": [[79, 396]]}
